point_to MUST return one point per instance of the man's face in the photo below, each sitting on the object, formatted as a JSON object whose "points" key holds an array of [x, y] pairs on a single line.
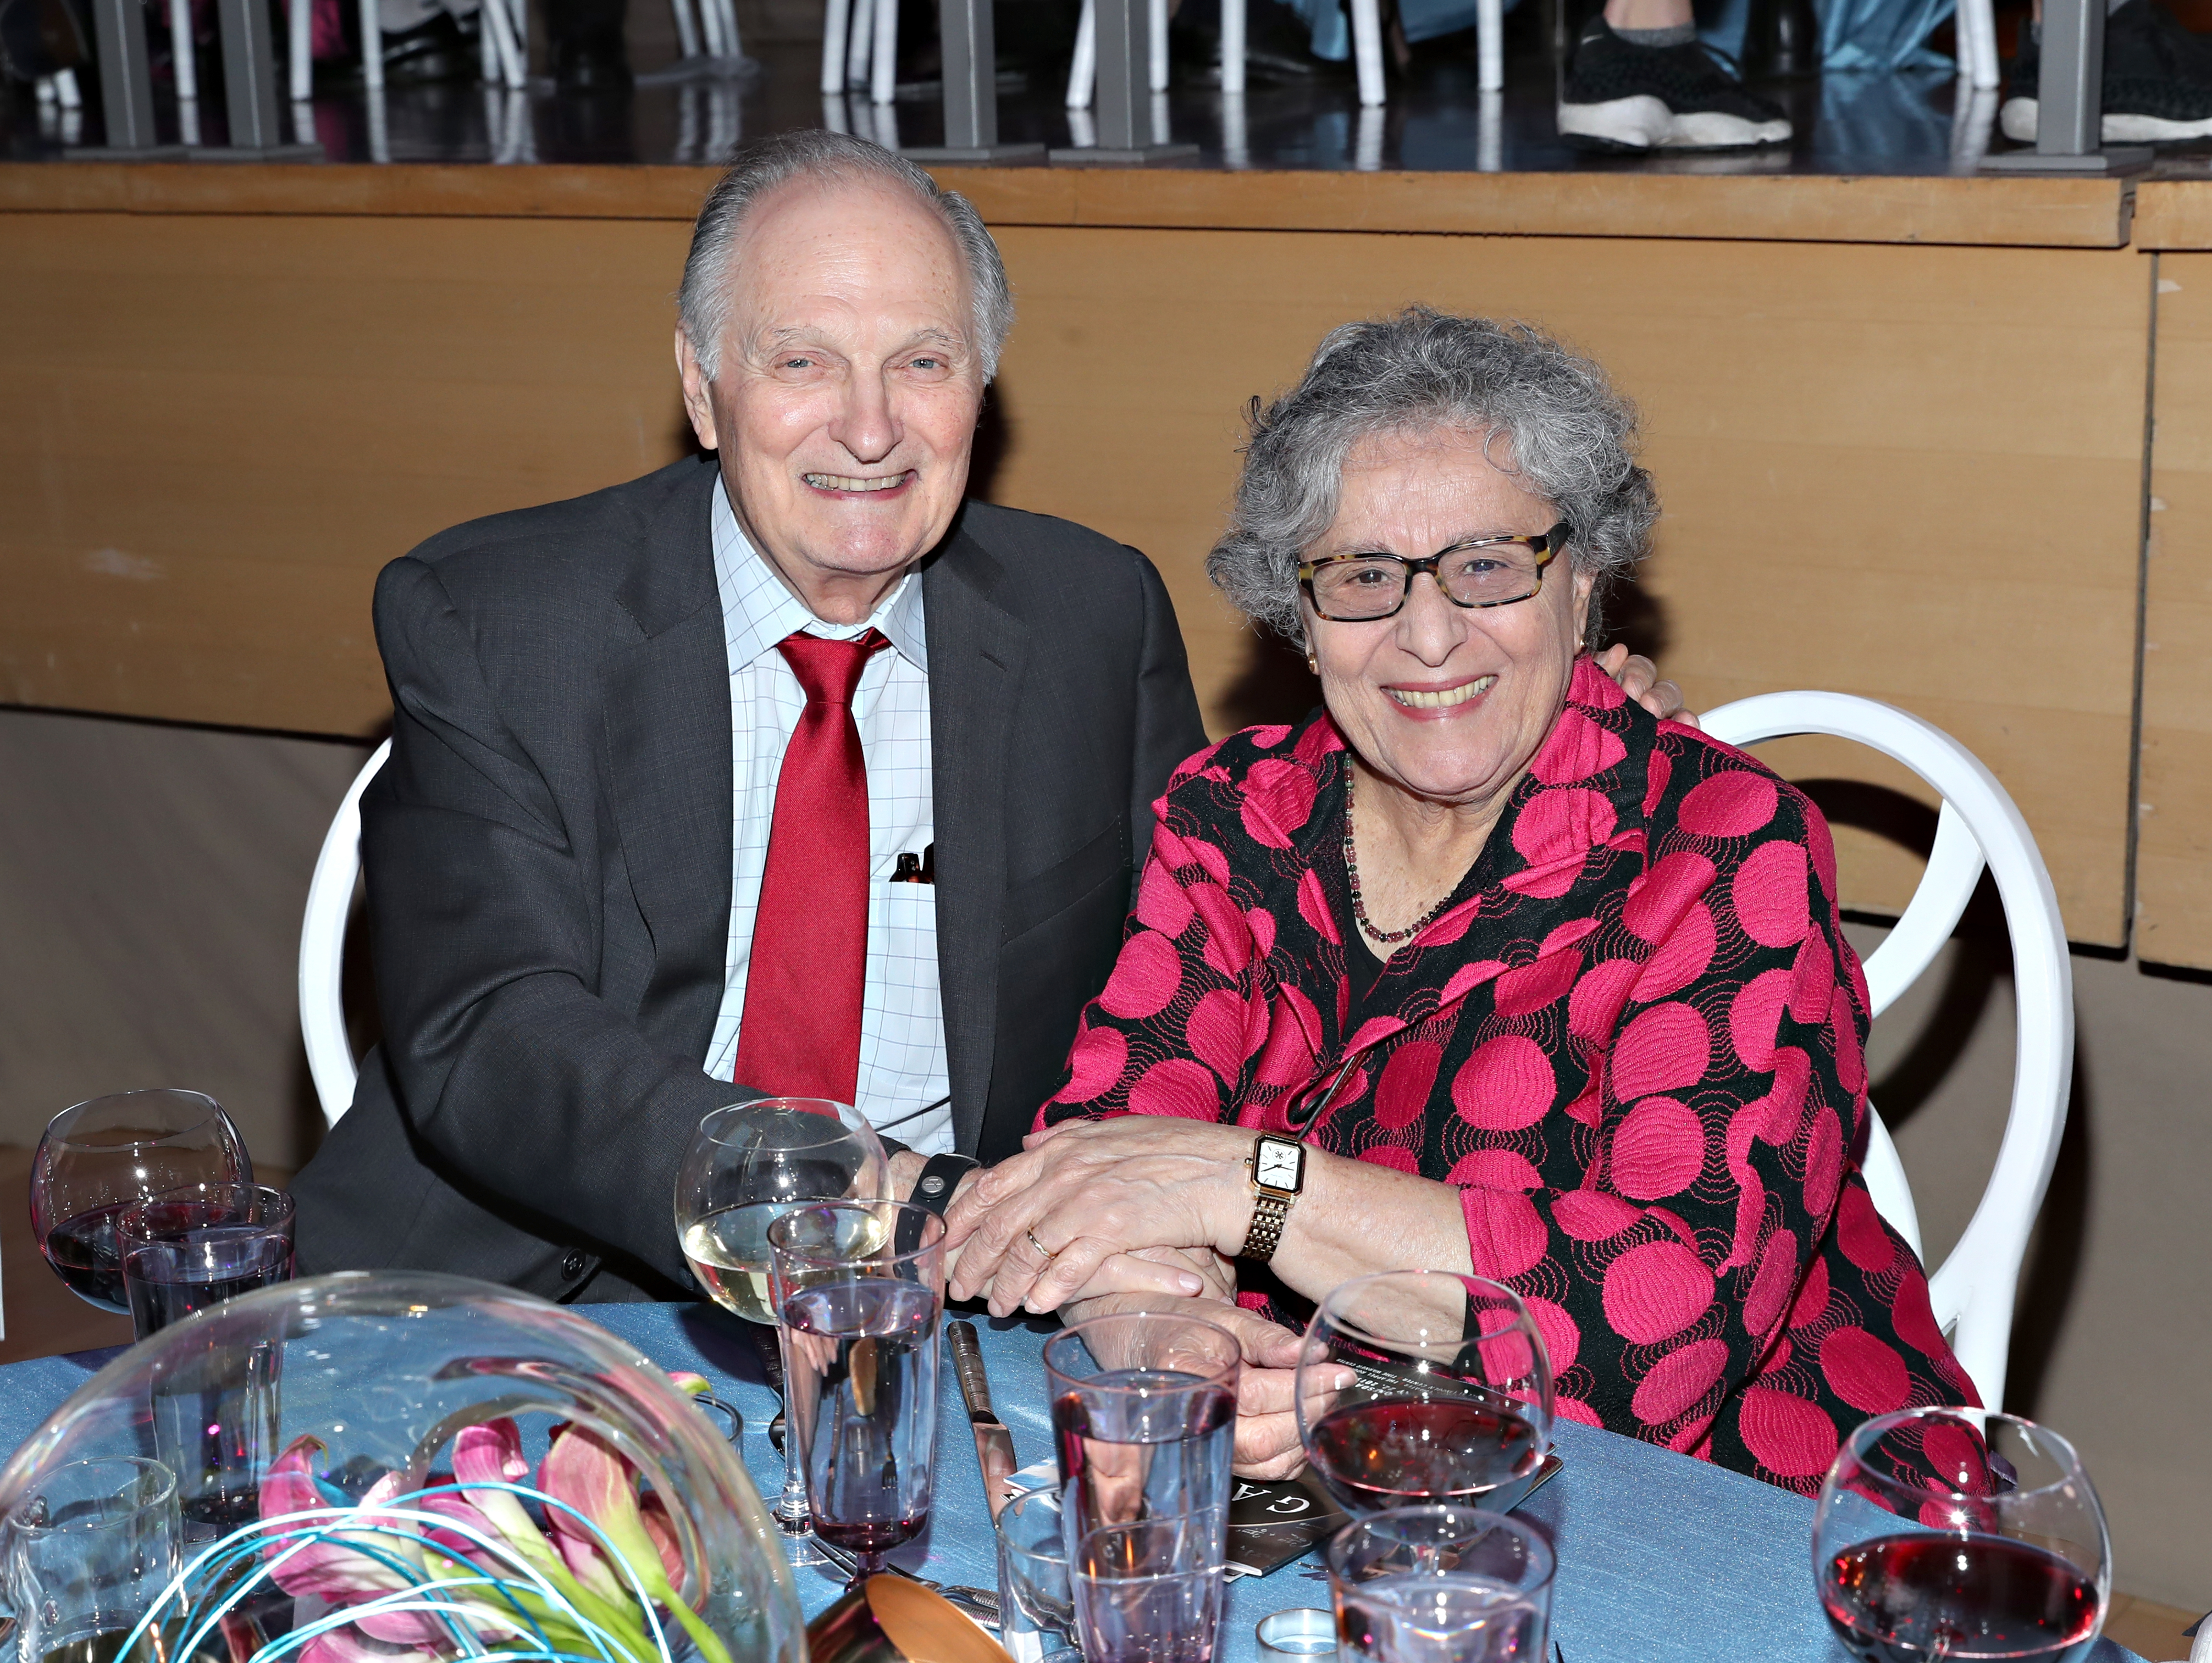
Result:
{"points": [[849, 384]]}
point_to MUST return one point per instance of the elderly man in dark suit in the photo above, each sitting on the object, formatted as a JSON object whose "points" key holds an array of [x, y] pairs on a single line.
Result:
{"points": [[783, 770]]}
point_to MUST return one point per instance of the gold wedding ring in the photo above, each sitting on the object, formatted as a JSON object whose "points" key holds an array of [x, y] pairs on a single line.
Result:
{"points": [[1048, 1254]]}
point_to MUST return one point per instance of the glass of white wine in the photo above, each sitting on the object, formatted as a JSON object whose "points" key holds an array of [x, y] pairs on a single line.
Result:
{"points": [[745, 1167]]}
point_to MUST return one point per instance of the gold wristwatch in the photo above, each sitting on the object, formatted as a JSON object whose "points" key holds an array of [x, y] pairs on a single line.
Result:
{"points": [[1278, 1170]]}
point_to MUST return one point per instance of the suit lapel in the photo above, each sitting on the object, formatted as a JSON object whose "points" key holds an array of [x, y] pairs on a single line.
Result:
{"points": [[666, 718], [977, 653]]}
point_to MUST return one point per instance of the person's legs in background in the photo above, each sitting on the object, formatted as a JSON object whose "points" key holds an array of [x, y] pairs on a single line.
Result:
{"points": [[2158, 79], [426, 41], [1641, 81], [586, 40]]}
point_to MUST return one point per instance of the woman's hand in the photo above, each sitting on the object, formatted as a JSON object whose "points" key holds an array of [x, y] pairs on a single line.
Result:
{"points": [[1639, 679], [1037, 1230]]}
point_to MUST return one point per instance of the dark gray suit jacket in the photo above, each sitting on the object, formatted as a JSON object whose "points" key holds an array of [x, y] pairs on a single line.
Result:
{"points": [[548, 860]]}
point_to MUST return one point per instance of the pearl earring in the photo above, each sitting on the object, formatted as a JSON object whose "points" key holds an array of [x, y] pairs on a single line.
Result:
{"points": [[1313, 664]]}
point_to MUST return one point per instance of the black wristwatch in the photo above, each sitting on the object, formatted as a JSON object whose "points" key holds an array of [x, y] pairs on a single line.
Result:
{"points": [[940, 1176]]}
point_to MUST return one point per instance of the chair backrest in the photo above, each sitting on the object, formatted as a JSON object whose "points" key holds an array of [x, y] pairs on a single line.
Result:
{"points": [[1973, 1290], [322, 949]]}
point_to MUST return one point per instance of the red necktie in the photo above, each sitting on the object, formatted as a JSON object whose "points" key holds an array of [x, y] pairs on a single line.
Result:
{"points": [[801, 1033]]}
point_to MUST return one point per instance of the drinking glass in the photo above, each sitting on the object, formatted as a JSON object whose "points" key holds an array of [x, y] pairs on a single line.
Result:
{"points": [[88, 1555], [98, 1157], [1037, 1610], [197, 1245], [1451, 1398], [1957, 1532], [746, 1166], [860, 1286], [1143, 1414], [1149, 1591], [1442, 1584], [1296, 1631]]}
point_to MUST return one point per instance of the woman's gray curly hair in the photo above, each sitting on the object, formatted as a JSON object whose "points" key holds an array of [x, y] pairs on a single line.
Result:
{"points": [[1569, 437]]}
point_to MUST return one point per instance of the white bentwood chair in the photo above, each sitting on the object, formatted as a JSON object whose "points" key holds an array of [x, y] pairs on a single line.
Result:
{"points": [[322, 948], [1974, 1290]]}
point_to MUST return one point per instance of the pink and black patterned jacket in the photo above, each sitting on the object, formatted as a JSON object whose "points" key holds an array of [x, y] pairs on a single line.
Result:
{"points": [[1634, 1042]]}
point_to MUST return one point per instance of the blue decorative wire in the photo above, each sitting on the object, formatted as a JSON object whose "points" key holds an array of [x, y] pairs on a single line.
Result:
{"points": [[216, 1571]]}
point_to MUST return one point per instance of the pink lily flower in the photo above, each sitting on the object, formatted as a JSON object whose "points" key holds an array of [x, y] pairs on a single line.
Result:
{"points": [[583, 1470], [347, 1645], [330, 1568], [454, 1541], [490, 1455]]}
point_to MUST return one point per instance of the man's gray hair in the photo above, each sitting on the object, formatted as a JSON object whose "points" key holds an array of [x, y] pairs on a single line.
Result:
{"points": [[1567, 435], [761, 167]]}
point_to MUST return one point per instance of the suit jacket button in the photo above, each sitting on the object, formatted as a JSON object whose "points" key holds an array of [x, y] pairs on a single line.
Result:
{"points": [[572, 1264]]}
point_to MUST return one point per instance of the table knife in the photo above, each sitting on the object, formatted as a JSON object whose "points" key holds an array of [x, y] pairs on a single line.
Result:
{"points": [[994, 1444]]}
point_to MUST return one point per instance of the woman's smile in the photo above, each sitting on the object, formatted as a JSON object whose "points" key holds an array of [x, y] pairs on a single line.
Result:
{"points": [[1440, 703]]}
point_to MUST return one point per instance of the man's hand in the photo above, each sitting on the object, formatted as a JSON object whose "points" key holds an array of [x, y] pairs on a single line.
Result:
{"points": [[1639, 679], [906, 1165]]}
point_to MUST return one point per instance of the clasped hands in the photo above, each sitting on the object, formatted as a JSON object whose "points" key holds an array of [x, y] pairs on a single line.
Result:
{"points": [[1138, 1212]]}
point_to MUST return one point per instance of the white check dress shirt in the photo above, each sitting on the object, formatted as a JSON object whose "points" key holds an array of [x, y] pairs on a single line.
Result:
{"points": [[903, 1086]]}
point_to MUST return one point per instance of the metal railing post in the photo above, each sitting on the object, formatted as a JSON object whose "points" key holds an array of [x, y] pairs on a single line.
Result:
{"points": [[971, 52], [2070, 100], [1122, 103]]}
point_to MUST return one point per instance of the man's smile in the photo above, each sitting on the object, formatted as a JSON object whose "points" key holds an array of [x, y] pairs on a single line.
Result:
{"points": [[856, 485]]}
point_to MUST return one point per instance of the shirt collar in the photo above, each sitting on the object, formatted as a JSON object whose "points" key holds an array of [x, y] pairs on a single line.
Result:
{"points": [[758, 611]]}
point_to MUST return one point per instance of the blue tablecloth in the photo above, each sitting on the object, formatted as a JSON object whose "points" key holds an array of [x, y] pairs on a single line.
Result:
{"points": [[1663, 1559]]}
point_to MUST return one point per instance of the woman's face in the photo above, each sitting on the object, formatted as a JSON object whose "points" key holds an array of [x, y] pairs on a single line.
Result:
{"points": [[1447, 702]]}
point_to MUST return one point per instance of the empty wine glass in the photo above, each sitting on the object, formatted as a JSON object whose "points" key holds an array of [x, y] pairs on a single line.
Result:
{"points": [[1947, 1532], [1448, 1397], [745, 1167], [860, 1286], [102, 1156]]}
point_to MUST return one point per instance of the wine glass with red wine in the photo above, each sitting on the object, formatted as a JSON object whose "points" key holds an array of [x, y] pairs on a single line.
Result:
{"points": [[1956, 1533], [111, 1152], [1449, 1398]]}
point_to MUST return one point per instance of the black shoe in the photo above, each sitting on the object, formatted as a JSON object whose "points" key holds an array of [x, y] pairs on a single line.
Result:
{"points": [[444, 49], [1625, 97], [595, 63], [2158, 82]]}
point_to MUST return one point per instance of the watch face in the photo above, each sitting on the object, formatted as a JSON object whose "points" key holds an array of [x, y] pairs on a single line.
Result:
{"points": [[1278, 1165]]}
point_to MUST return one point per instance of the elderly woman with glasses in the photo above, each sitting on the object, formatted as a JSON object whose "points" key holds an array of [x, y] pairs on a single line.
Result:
{"points": [[1482, 968]]}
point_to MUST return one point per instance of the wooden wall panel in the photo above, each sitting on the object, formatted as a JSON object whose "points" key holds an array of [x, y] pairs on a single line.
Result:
{"points": [[225, 424], [2039, 213], [1867, 485], [2174, 870], [220, 427]]}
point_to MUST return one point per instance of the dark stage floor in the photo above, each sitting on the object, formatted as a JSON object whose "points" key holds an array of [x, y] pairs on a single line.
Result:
{"points": [[1917, 122]]}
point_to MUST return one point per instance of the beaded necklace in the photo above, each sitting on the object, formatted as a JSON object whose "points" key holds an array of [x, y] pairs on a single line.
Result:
{"points": [[1387, 938]]}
